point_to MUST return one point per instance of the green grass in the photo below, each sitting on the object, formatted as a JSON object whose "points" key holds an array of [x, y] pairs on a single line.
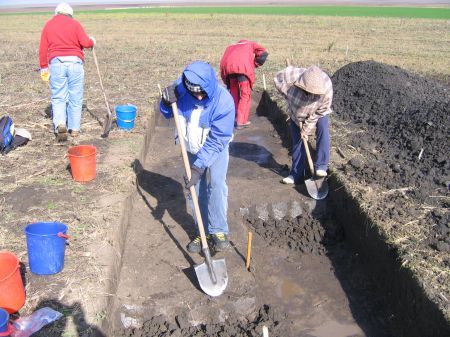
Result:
{"points": [[359, 11]]}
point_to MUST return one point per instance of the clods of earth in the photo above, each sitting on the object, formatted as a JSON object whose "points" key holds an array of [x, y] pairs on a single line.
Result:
{"points": [[402, 121]]}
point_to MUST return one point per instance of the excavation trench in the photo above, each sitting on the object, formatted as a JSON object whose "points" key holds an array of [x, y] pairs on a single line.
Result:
{"points": [[304, 280], [317, 268]]}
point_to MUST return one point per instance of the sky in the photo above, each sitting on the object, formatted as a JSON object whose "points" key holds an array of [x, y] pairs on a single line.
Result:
{"points": [[22, 3]]}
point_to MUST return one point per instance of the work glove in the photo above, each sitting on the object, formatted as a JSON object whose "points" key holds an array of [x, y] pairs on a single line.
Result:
{"points": [[169, 94], [93, 40], [196, 173], [45, 75]]}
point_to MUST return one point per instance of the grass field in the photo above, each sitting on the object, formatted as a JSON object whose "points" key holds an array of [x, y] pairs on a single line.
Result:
{"points": [[352, 11], [136, 52]]}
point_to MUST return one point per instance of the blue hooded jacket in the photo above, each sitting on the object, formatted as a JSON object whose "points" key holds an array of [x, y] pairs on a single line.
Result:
{"points": [[218, 112]]}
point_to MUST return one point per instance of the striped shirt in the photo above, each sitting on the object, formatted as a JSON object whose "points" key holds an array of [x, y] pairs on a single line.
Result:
{"points": [[302, 107]]}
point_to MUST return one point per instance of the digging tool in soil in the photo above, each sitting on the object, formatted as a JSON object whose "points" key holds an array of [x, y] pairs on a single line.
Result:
{"points": [[212, 274], [108, 119], [317, 187]]}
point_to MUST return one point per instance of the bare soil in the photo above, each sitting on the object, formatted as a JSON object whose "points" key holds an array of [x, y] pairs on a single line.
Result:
{"points": [[303, 281]]}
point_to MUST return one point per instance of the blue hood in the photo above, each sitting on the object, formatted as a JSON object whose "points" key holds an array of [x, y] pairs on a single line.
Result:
{"points": [[201, 73]]}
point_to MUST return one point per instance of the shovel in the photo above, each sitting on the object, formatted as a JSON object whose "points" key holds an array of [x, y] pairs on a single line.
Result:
{"points": [[108, 119], [317, 188], [212, 274]]}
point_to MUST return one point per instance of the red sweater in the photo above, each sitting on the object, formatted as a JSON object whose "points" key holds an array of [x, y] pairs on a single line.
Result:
{"points": [[62, 36], [239, 58]]}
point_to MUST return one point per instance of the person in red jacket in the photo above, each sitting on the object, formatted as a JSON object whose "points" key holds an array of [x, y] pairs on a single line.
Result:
{"points": [[237, 69], [61, 49]]}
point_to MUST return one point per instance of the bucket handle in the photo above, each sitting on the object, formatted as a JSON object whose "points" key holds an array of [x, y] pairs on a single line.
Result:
{"points": [[63, 236]]}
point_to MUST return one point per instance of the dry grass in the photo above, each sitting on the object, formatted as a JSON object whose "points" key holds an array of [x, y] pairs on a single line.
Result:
{"points": [[136, 52]]}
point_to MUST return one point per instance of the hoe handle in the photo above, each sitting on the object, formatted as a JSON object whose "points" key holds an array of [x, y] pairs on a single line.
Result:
{"points": [[100, 79], [187, 167]]}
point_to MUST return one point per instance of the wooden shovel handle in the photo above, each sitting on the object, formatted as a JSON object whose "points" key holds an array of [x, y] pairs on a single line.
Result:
{"points": [[308, 155], [187, 168]]}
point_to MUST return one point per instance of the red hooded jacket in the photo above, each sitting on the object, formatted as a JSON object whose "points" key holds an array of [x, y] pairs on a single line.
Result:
{"points": [[62, 36], [239, 58]]}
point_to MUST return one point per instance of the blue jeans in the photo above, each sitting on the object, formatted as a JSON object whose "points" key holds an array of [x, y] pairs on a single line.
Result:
{"points": [[298, 150], [212, 191], [66, 85]]}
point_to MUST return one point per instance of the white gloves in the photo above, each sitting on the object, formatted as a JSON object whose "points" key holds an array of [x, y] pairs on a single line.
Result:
{"points": [[93, 39]]}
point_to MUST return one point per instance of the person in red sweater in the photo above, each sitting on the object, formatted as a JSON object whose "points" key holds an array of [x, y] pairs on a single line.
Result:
{"points": [[61, 59], [237, 69]]}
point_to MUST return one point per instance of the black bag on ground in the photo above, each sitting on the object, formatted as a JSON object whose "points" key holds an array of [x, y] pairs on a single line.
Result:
{"points": [[6, 134]]}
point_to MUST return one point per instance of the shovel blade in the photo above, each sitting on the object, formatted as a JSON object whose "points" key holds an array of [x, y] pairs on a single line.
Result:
{"points": [[205, 280], [317, 188]]}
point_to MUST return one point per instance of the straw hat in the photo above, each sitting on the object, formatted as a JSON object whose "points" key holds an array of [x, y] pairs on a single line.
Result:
{"points": [[64, 8], [312, 81]]}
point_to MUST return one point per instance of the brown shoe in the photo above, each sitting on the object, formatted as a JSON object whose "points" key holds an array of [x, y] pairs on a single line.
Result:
{"points": [[61, 133], [74, 133]]}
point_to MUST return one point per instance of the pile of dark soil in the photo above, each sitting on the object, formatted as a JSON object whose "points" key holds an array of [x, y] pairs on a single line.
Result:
{"points": [[267, 316], [303, 233], [404, 123]]}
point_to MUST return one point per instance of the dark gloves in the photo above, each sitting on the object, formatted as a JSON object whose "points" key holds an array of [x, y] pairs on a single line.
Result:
{"points": [[196, 173], [169, 94], [261, 58]]}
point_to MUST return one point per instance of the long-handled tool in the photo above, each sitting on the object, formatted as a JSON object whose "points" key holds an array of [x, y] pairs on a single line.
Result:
{"points": [[212, 274], [317, 187], [108, 119]]}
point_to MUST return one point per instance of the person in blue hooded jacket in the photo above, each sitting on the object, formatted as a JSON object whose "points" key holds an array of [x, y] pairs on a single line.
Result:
{"points": [[206, 112]]}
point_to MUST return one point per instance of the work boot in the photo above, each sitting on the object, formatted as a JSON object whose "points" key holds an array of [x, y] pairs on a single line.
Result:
{"points": [[61, 133], [195, 246], [321, 173], [243, 126], [289, 180], [221, 241]]}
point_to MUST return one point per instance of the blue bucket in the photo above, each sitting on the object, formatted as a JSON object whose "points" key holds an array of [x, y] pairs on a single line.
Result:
{"points": [[4, 321], [126, 115], [46, 243]]}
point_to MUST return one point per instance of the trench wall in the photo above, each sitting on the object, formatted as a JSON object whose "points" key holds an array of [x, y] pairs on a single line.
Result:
{"points": [[415, 314], [120, 232]]}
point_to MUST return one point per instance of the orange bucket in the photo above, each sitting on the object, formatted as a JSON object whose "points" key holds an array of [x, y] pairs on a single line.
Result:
{"points": [[83, 162], [12, 292]]}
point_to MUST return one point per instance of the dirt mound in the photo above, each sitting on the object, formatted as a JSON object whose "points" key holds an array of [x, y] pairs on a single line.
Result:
{"points": [[406, 115], [404, 122], [159, 326], [302, 233]]}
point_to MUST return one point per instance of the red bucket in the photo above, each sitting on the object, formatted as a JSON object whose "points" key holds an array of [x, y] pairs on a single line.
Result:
{"points": [[12, 292], [83, 162]]}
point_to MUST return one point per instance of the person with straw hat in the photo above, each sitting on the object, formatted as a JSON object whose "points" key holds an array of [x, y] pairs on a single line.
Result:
{"points": [[309, 94], [61, 59]]}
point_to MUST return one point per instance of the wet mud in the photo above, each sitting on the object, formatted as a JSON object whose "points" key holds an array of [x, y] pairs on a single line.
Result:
{"points": [[267, 316]]}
